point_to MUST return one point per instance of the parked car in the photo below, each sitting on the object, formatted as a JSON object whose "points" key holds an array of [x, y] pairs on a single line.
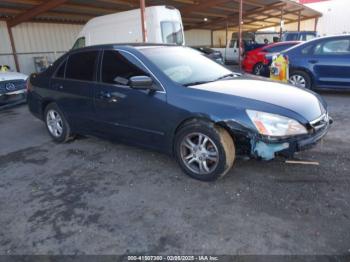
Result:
{"points": [[321, 63], [163, 23], [12, 87], [210, 53], [175, 100], [255, 61], [230, 53], [298, 36]]}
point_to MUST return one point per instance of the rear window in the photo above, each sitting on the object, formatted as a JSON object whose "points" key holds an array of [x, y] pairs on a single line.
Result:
{"points": [[172, 33], [81, 66]]}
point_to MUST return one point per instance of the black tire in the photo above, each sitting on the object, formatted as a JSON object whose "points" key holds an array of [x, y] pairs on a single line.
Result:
{"points": [[223, 144], [258, 69], [303, 74], [65, 135]]}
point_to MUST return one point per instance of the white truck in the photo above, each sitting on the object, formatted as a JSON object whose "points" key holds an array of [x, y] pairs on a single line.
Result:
{"points": [[163, 24]]}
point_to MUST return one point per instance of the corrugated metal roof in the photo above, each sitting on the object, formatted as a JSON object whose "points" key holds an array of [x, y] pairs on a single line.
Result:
{"points": [[257, 14]]}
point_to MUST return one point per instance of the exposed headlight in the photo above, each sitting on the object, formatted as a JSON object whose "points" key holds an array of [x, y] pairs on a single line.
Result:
{"points": [[275, 125]]}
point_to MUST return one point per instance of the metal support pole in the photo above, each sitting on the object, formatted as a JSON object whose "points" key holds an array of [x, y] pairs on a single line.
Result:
{"points": [[316, 22], [9, 29], [299, 18], [212, 38], [240, 46], [281, 21], [226, 38], [143, 20]]}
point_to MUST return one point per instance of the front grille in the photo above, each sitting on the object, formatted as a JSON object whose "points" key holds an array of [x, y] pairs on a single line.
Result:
{"points": [[320, 122], [12, 85]]}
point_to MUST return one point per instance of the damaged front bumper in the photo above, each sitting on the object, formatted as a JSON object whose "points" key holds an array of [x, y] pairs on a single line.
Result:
{"points": [[266, 148]]}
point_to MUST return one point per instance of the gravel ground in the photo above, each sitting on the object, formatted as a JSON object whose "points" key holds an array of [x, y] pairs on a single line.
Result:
{"points": [[94, 197]]}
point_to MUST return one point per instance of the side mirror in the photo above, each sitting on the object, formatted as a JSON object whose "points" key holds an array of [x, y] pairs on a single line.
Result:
{"points": [[141, 82]]}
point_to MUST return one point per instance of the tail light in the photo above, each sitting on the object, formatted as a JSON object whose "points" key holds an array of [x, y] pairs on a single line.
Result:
{"points": [[29, 85]]}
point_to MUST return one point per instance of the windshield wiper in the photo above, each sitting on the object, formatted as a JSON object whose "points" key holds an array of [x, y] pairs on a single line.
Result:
{"points": [[226, 76], [197, 83]]}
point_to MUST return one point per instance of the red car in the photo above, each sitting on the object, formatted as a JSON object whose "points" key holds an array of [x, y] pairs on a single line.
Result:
{"points": [[255, 61]]}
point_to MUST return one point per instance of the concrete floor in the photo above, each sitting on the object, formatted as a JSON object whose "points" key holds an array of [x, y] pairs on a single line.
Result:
{"points": [[94, 197]]}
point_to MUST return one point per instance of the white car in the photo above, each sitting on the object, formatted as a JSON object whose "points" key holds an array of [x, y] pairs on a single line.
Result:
{"points": [[12, 87]]}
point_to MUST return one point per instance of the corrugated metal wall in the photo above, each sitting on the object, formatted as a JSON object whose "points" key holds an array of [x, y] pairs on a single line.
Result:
{"points": [[5, 46], [198, 37], [35, 40]]}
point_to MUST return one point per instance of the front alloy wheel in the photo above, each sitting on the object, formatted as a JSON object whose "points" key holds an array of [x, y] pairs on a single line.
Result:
{"points": [[199, 153], [204, 150]]}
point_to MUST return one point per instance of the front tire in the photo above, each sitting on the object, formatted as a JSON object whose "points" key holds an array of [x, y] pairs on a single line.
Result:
{"points": [[56, 124], [204, 151]]}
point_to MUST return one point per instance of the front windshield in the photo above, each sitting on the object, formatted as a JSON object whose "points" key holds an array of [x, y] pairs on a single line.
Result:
{"points": [[184, 65]]}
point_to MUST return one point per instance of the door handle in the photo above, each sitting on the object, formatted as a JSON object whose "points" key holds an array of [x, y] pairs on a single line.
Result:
{"points": [[313, 61], [57, 86], [107, 96]]}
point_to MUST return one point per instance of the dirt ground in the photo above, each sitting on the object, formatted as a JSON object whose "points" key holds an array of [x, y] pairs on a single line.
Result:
{"points": [[94, 197]]}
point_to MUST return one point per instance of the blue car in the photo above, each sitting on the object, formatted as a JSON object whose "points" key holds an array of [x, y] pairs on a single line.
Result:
{"points": [[175, 100], [322, 63]]}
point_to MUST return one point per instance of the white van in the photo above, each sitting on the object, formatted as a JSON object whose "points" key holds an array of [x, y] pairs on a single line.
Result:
{"points": [[163, 24]]}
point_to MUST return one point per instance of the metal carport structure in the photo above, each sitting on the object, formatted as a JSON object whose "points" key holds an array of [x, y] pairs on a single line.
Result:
{"points": [[239, 15]]}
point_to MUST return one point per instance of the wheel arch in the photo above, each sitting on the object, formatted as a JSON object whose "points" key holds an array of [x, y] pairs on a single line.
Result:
{"points": [[217, 122], [305, 70]]}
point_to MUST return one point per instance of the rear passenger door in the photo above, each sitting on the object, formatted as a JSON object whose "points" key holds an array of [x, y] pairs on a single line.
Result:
{"points": [[74, 87], [331, 63]]}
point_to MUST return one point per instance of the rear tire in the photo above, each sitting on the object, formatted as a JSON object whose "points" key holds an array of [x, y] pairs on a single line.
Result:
{"points": [[258, 69], [204, 151], [300, 79], [56, 124]]}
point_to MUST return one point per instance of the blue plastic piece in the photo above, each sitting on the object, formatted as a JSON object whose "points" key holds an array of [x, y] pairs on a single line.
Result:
{"points": [[267, 151]]}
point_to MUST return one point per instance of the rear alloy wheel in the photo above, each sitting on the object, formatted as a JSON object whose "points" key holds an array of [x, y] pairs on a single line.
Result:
{"points": [[56, 124], [258, 69], [204, 151], [300, 79]]}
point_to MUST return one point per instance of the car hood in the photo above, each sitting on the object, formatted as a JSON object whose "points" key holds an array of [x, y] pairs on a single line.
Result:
{"points": [[302, 102], [6, 76]]}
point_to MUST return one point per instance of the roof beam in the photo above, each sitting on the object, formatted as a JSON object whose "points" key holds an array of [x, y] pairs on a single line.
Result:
{"points": [[35, 11], [201, 6]]}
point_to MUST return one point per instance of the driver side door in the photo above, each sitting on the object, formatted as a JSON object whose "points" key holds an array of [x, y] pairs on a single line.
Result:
{"points": [[131, 115]]}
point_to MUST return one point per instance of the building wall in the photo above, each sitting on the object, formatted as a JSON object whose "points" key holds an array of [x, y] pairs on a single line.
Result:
{"points": [[333, 22], [36, 40], [198, 37]]}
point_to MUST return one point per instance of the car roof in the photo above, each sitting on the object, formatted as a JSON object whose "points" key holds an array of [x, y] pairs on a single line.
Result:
{"points": [[135, 45]]}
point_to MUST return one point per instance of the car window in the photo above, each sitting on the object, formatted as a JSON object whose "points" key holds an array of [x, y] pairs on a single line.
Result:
{"points": [[81, 66], [172, 33], [307, 50], [61, 70], [117, 69], [80, 43], [339, 46]]}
